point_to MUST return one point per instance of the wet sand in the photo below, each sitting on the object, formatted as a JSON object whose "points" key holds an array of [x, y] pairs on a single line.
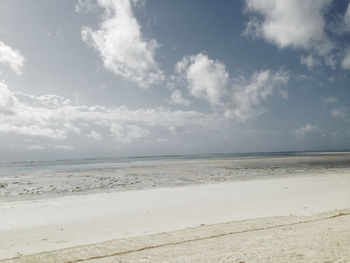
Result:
{"points": [[41, 185]]}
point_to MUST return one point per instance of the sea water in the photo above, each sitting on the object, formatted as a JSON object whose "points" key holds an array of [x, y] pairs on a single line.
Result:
{"points": [[51, 166]]}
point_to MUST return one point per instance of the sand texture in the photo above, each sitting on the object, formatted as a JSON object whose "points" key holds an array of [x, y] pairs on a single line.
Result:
{"points": [[34, 226], [320, 238], [274, 209], [166, 174]]}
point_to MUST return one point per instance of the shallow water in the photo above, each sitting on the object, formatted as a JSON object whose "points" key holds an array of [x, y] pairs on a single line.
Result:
{"points": [[69, 165], [32, 180]]}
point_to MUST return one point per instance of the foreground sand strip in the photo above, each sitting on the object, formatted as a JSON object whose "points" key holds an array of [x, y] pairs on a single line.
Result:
{"points": [[141, 249], [36, 226]]}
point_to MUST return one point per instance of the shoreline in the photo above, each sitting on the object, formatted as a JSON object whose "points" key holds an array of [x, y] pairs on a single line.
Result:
{"points": [[35, 226], [167, 174]]}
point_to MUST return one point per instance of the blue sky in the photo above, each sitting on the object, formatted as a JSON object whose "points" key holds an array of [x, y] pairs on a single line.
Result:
{"points": [[143, 77]]}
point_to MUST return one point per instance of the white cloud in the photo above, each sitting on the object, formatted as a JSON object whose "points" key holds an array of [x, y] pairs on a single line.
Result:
{"points": [[330, 100], [206, 78], [33, 130], [345, 63], [51, 101], [56, 118], [308, 130], [249, 95], [8, 102], [121, 45], [176, 98], [11, 57], [290, 23], [338, 113], [238, 98], [94, 135], [310, 61], [128, 133]]}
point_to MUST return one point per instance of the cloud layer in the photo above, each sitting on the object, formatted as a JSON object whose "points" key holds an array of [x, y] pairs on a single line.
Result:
{"points": [[290, 23], [56, 118], [195, 97], [307, 130], [11, 57], [206, 78], [122, 47], [238, 98], [249, 95]]}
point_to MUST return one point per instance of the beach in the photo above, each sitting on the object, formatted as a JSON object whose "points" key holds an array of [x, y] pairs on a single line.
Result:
{"points": [[31, 182], [290, 209], [136, 131], [319, 238]]}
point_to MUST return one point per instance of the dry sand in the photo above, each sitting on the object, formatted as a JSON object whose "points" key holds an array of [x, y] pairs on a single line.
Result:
{"points": [[320, 238], [29, 227]]}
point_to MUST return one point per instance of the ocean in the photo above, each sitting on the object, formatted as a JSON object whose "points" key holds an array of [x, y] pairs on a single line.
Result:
{"points": [[86, 164]]}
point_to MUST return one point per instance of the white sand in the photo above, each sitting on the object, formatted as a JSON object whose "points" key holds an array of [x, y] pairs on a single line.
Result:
{"points": [[322, 238], [28, 227], [57, 183]]}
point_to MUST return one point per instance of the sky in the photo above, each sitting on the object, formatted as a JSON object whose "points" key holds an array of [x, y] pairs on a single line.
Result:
{"points": [[108, 78]]}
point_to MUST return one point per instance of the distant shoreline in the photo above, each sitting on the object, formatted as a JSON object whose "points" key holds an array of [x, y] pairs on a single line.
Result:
{"points": [[178, 156], [43, 182]]}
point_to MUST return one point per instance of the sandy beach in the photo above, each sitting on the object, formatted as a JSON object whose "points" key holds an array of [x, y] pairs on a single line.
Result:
{"points": [[320, 238], [27, 185], [139, 131], [190, 223]]}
